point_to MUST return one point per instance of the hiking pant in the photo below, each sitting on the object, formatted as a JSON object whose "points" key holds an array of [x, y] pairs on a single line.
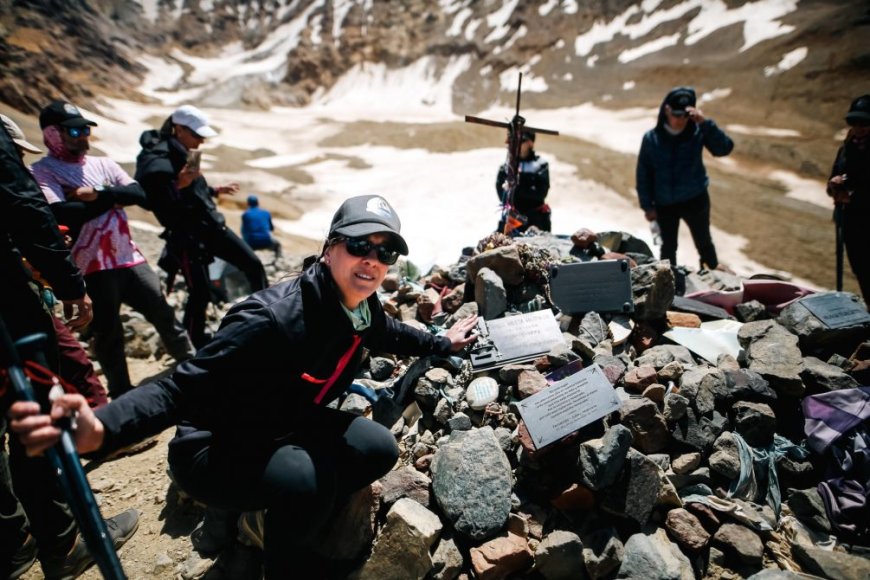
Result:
{"points": [[857, 243], [301, 479], [76, 368], [138, 287], [193, 263], [30, 499], [696, 213]]}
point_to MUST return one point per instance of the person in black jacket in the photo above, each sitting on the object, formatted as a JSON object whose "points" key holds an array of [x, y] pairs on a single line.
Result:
{"points": [[849, 186], [41, 519], [183, 203], [255, 430], [531, 192]]}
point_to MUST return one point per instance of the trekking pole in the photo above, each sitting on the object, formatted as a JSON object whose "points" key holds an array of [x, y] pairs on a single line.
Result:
{"points": [[63, 456], [840, 228]]}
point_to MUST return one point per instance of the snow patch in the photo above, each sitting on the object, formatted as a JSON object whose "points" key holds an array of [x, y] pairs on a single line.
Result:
{"points": [[789, 60], [498, 21], [762, 131], [650, 47], [459, 21], [760, 20], [547, 7], [714, 94], [628, 85]]}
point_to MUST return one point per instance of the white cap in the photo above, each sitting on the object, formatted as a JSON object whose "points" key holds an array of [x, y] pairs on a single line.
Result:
{"points": [[18, 135], [194, 119]]}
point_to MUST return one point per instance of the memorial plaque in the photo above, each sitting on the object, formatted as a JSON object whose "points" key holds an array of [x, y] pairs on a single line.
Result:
{"points": [[836, 309], [515, 339], [568, 405], [602, 286]]}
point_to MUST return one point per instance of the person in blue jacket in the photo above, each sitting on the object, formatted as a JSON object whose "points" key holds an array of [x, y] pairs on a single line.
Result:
{"points": [[671, 178], [257, 227], [255, 429]]}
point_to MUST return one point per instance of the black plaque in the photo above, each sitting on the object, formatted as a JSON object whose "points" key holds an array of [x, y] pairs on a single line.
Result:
{"points": [[836, 309], [601, 286]]}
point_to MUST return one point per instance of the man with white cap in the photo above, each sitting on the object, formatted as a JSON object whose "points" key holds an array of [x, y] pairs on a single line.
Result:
{"points": [[87, 193], [183, 202]]}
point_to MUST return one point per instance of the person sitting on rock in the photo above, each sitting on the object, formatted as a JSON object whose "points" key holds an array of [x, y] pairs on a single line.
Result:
{"points": [[257, 227], [256, 432]]}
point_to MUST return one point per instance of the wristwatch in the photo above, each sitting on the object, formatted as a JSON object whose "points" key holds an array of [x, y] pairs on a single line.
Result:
{"points": [[99, 188]]}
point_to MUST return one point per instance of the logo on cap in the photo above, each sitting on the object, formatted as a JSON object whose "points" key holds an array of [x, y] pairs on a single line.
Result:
{"points": [[71, 109], [378, 205]]}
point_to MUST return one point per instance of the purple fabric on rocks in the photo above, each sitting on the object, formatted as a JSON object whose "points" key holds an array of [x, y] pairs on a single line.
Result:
{"points": [[828, 416]]}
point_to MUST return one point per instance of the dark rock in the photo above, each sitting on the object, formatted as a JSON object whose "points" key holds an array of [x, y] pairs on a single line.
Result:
{"points": [[755, 422]]}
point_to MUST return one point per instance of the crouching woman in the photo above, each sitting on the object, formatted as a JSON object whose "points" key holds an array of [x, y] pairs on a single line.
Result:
{"points": [[254, 431]]}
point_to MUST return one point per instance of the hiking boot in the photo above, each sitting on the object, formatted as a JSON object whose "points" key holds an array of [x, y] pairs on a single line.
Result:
{"points": [[24, 558], [237, 562], [121, 528], [215, 532]]}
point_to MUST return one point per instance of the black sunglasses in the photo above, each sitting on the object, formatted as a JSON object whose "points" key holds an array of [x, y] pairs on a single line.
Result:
{"points": [[76, 132], [361, 247]]}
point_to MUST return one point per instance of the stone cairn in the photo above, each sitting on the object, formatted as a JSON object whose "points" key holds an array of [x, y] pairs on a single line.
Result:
{"points": [[702, 472]]}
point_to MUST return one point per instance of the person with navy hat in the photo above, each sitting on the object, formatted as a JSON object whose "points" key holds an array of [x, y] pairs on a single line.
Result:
{"points": [[672, 182], [257, 431], [849, 186], [257, 227]]}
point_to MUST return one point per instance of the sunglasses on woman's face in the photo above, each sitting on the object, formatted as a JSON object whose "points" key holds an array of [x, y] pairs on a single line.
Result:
{"points": [[76, 132], [361, 247]]}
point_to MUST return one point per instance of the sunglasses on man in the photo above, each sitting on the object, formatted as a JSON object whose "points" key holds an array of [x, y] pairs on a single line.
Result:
{"points": [[362, 247], [76, 132]]}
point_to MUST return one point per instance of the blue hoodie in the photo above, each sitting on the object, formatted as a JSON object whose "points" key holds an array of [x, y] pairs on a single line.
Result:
{"points": [[670, 168]]}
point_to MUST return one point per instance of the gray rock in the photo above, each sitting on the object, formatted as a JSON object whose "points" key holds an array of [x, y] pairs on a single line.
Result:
{"points": [[808, 506], [747, 385], [698, 433], [645, 481], [446, 561], [600, 461], [755, 422], [686, 530], [443, 411], [751, 311], [603, 552], [355, 404], [652, 556], [772, 351], [819, 376], [471, 482], [740, 542], [405, 482], [813, 333], [464, 311], [675, 407], [827, 564], [426, 394], [612, 366], [559, 556], [703, 386], [593, 329], [381, 368], [653, 290], [459, 422], [725, 459], [662, 354]]}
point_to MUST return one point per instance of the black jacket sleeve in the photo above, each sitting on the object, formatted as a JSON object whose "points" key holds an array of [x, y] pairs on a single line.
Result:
{"points": [[27, 220]]}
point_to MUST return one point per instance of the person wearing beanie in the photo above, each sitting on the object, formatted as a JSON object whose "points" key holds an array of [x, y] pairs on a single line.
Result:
{"points": [[184, 204], [257, 431], [671, 180], [849, 187], [257, 227], [532, 187], [87, 193]]}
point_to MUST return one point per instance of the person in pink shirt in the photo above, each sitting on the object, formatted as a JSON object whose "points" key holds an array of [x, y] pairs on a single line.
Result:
{"points": [[88, 194]]}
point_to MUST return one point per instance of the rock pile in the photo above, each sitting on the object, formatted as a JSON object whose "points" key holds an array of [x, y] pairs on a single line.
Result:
{"points": [[702, 473]]}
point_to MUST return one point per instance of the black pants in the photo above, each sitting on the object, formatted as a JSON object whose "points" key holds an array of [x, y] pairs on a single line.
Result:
{"points": [[300, 480], [223, 244], [696, 213], [30, 499], [138, 287], [857, 240]]}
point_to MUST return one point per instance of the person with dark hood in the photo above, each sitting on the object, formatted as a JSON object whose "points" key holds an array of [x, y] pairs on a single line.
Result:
{"points": [[87, 193], [257, 227], [672, 181], [183, 202], [35, 521], [849, 186], [257, 432], [532, 187]]}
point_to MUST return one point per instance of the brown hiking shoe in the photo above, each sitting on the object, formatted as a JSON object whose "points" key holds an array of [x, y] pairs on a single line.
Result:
{"points": [[121, 528]]}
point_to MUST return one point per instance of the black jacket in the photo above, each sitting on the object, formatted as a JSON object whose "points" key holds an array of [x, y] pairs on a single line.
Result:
{"points": [[277, 355], [190, 210], [533, 186], [853, 159], [28, 227]]}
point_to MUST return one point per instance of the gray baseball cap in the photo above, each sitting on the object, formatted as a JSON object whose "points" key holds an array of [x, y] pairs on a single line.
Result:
{"points": [[368, 214]]}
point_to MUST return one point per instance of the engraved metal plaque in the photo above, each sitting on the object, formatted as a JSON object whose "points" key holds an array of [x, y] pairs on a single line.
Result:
{"points": [[515, 339], [568, 405], [836, 309], [602, 286]]}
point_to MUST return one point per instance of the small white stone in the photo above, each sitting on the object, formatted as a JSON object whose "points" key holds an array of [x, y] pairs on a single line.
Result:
{"points": [[481, 392]]}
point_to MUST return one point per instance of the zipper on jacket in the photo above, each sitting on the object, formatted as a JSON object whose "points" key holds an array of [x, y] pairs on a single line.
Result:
{"points": [[342, 363]]}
